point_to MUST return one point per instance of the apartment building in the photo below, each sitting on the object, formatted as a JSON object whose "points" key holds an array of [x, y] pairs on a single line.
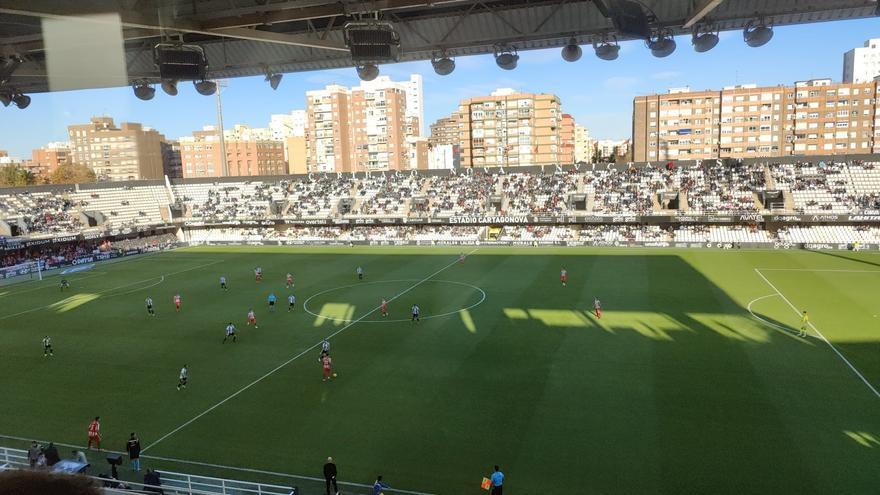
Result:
{"points": [[445, 131], [815, 117], [328, 125], [583, 145], [509, 128], [128, 152], [566, 139], [247, 154], [364, 128], [862, 64], [48, 158]]}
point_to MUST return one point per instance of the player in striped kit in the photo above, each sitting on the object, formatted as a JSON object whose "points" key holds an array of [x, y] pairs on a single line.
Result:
{"points": [[181, 380]]}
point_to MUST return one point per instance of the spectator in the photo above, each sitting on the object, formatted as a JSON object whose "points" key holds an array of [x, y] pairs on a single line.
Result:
{"points": [[152, 481], [80, 456], [330, 476], [34, 454], [134, 452], [379, 485], [51, 454]]}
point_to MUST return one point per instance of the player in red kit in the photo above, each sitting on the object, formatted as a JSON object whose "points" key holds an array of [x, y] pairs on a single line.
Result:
{"points": [[326, 363], [384, 307], [258, 274], [252, 319], [597, 307], [177, 302], [289, 281], [563, 276], [460, 258], [95, 433]]}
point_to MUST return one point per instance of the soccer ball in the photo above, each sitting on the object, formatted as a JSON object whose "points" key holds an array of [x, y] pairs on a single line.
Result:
{"points": [[334, 375]]}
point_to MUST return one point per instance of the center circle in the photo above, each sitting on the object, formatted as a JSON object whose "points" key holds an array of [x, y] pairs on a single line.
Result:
{"points": [[399, 294]]}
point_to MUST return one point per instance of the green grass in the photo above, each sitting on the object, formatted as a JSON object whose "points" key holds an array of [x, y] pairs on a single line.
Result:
{"points": [[677, 389]]}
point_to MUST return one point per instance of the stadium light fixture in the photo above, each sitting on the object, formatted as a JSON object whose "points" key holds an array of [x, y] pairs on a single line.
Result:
{"points": [[368, 72], [21, 100], [572, 51], [757, 33], [506, 57], [443, 64], [606, 49], [704, 38], [5, 99], [205, 87], [169, 86], [274, 79], [144, 90], [662, 44]]}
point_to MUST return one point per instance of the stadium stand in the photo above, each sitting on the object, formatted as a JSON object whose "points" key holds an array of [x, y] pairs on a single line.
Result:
{"points": [[711, 202]]}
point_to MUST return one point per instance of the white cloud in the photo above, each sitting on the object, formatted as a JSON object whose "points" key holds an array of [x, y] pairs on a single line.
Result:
{"points": [[666, 74], [620, 83]]}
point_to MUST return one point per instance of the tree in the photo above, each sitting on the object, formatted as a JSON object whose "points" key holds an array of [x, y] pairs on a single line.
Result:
{"points": [[15, 176], [72, 173]]}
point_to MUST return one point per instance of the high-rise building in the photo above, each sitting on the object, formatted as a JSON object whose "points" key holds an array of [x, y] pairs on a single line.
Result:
{"points": [[364, 128], [583, 145], [445, 131], [48, 158], [566, 140], [172, 162], [328, 130], [509, 128], [415, 103], [127, 152], [862, 64], [247, 153], [815, 117]]}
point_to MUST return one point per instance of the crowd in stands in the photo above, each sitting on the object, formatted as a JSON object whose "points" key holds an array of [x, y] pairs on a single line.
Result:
{"points": [[58, 254], [708, 188]]}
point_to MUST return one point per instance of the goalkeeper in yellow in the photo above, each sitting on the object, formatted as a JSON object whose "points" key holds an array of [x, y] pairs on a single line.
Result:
{"points": [[805, 321]]}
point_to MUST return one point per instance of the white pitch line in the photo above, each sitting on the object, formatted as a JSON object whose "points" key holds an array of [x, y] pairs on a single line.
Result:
{"points": [[815, 270], [49, 286], [749, 308], [219, 466], [294, 358], [162, 277], [815, 329]]}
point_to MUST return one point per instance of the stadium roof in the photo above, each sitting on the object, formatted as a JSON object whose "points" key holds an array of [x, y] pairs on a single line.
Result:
{"points": [[253, 37]]}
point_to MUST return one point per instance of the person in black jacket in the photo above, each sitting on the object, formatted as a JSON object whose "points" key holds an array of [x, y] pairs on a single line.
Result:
{"points": [[51, 454], [330, 476], [134, 452]]}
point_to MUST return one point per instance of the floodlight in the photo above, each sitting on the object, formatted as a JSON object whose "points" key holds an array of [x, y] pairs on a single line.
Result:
{"points": [[661, 45], [144, 90], [606, 50], [757, 34], [444, 65], [368, 72], [274, 80], [506, 57], [5, 99], [169, 86], [205, 87], [21, 100], [704, 39], [572, 51]]}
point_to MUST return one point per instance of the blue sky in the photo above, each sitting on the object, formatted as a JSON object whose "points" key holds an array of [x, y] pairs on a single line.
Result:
{"points": [[598, 93]]}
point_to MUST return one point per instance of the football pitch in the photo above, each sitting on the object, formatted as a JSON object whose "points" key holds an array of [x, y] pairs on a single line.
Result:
{"points": [[693, 381]]}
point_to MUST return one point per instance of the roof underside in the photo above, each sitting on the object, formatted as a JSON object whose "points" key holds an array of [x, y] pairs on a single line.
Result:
{"points": [[251, 37]]}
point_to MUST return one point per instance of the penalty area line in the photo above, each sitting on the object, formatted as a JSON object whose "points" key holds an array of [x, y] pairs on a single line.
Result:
{"points": [[819, 333], [297, 356]]}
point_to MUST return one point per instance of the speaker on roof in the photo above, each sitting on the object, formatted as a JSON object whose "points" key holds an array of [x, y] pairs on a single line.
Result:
{"points": [[180, 62], [629, 18], [372, 42]]}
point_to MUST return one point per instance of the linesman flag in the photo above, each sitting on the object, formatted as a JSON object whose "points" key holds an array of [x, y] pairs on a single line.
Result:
{"points": [[486, 484]]}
